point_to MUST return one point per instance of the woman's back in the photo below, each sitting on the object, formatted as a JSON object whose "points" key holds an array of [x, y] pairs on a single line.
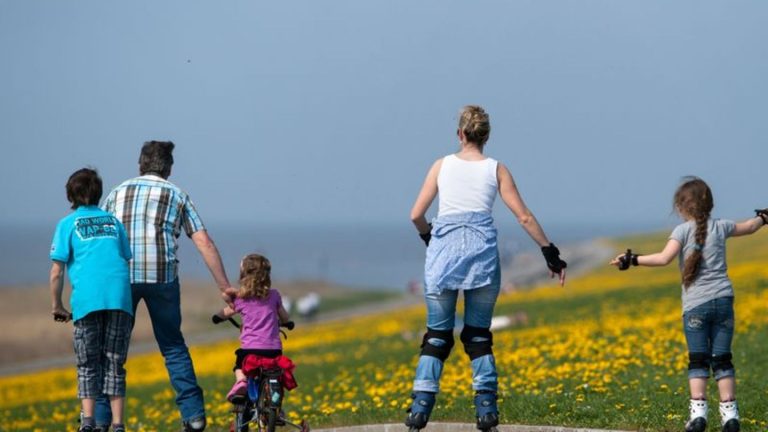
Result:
{"points": [[466, 186]]}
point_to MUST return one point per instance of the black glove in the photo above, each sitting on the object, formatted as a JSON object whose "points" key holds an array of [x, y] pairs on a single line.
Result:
{"points": [[628, 259], [427, 236], [762, 214], [552, 255]]}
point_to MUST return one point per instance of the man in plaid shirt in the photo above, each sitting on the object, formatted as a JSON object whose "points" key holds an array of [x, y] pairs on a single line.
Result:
{"points": [[154, 211]]}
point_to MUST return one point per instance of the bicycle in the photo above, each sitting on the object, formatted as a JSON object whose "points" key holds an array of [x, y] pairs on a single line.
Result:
{"points": [[262, 405]]}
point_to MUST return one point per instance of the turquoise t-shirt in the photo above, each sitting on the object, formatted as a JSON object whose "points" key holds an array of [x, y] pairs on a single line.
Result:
{"points": [[96, 250]]}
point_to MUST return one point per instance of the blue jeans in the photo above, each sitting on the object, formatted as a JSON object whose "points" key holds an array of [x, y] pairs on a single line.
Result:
{"points": [[441, 315], [163, 304], [709, 332]]}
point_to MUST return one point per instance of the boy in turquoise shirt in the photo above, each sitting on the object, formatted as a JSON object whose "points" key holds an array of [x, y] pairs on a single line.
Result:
{"points": [[94, 248]]}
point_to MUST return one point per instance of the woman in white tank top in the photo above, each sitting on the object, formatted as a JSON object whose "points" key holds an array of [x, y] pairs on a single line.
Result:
{"points": [[462, 254]]}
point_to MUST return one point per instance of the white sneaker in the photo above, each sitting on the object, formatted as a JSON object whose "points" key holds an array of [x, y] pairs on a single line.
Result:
{"points": [[729, 416], [697, 422]]}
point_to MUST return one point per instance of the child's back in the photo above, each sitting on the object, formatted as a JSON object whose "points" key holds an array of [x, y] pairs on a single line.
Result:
{"points": [[712, 279], [260, 323]]}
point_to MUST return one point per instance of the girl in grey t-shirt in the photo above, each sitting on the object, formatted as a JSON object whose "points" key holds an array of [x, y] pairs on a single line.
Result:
{"points": [[707, 294]]}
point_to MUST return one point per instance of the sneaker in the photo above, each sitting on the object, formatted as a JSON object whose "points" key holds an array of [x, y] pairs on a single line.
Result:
{"points": [[421, 408], [697, 422], [86, 428], [729, 416], [238, 392], [118, 428], [197, 424], [486, 411]]}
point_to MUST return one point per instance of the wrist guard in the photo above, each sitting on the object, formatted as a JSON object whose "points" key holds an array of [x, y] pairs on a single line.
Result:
{"points": [[627, 260], [552, 255], [762, 214], [427, 236]]}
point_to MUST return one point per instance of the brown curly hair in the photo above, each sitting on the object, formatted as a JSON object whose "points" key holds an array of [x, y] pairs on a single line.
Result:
{"points": [[255, 279], [693, 200], [475, 123]]}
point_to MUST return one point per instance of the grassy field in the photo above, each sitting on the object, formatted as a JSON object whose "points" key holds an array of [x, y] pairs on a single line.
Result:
{"points": [[606, 351]]}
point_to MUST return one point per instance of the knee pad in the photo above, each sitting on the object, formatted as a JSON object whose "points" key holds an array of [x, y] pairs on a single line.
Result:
{"points": [[722, 362], [698, 361], [477, 341], [437, 343]]}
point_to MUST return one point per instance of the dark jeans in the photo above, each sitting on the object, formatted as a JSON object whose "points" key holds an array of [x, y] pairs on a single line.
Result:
{"points": [[163, 304], [709, 332]]}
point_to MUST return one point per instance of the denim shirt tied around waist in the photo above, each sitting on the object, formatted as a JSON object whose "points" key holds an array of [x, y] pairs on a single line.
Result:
{"points": [[462, 254]]}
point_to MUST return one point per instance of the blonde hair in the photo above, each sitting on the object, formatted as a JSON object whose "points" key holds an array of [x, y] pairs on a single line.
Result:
{"points": [[475, 124], [255, 279]]}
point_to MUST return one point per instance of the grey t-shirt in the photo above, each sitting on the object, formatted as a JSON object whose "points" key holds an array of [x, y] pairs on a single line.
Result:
{"points": [[712, 280]]}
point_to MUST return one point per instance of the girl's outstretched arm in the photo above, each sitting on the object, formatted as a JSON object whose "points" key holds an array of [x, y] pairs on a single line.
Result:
{"points": [[511, 197], [659, 259], [424, 200], [747, 227]]}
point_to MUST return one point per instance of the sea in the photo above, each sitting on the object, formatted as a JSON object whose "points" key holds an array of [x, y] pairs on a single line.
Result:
{"points": [[373, 256]]}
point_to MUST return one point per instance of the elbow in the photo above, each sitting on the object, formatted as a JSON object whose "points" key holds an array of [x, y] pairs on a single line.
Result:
{"points": [[415, 216], [525, 219]]}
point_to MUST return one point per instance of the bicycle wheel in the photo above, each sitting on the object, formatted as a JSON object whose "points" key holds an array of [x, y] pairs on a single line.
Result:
{"points": [[271, 419], [243, 416]]}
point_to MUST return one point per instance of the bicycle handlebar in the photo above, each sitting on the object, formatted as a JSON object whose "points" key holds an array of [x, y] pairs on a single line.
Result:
{"points": [[217, 320]]}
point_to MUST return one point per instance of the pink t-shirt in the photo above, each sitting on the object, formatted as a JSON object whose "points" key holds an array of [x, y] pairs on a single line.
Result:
{"points": [[261, 328]]}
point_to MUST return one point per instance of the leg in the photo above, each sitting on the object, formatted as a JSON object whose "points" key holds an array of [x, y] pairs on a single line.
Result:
{"points": [[477, 337], [696, 328], [103, 414], [118, 326], [437, 342], [163, 304], [435, 348], [117, 403], [478, 344], [721, 334], [87, 343]]}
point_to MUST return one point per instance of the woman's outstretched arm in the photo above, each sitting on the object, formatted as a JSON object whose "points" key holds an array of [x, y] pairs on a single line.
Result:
{"points": [[511, 197], [424, 200]]}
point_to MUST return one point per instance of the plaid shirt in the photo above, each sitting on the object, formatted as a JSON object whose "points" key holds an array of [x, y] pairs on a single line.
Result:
{"points": [[153, 211]]}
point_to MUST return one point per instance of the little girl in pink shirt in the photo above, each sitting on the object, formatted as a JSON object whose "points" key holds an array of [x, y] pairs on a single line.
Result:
{"points": [[262, 311]]}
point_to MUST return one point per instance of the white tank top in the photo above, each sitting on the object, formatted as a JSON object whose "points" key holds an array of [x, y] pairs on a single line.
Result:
{"points": [[466, 186]]}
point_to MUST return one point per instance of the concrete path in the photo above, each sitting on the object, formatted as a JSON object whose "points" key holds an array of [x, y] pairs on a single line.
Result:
{"points": [[458, 427]]}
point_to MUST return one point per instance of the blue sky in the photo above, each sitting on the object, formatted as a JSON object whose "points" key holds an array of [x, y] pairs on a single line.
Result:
{"points": [[332, 111]]}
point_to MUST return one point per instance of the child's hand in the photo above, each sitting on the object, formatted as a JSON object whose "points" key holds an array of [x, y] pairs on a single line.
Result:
{"points": [[229, 295], [60, 314], [616, 261]]}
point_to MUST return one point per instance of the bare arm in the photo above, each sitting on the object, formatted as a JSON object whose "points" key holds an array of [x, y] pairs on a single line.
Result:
{"points": [[282, 314], [511, 197], [424, 200], [226, 312], [747, 227], [56, 280], [659, 259], [212, 259]]}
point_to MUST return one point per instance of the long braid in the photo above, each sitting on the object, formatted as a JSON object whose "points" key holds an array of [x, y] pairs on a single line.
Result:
{"points": [[693, 199], [693, 262]]}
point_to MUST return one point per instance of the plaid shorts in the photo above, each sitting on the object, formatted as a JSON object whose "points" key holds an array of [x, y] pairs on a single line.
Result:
{"points": [[101, 341]]}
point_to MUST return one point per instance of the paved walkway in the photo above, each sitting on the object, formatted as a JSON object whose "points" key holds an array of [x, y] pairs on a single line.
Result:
{"points": [[458, 427]]}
